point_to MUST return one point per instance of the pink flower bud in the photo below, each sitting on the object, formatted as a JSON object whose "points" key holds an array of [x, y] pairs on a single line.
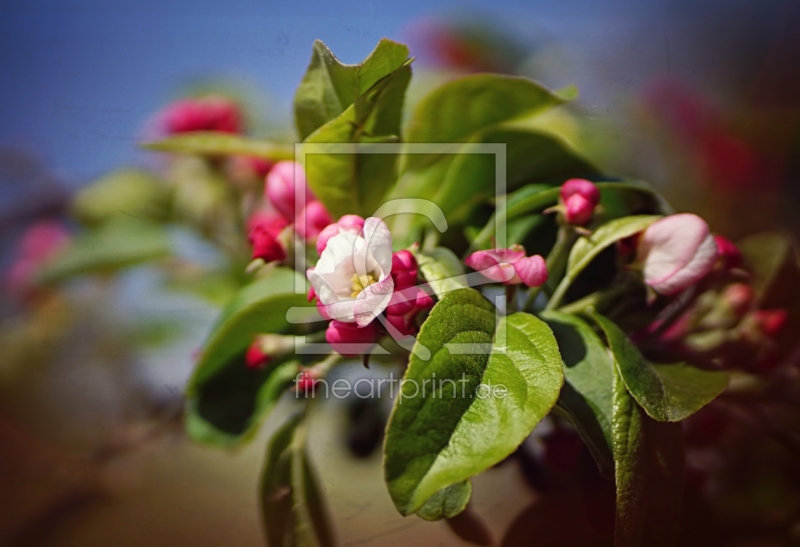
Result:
{"points": [[403, 324], [578, 210], [351, 223], [305, 382], [402, 302], [729, 254], [423, 300], [579, 197], [205, 114], [770, 322], [497, 264], [312, 220], [676, 252], [583, 187], [509, 266], [404, 269], [255, 357], [532, 270], [263, 236], [349, 339], [348, 223], [283, 181], [739, 297]]}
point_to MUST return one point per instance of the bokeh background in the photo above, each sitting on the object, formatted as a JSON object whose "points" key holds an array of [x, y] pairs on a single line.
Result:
{"points": [[701, 98]]}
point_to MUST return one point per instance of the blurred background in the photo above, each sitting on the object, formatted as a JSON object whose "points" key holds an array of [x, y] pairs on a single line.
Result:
{"points": [[700, 98]]}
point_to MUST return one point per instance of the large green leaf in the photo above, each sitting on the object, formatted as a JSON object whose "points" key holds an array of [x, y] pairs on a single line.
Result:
{"points": [[133, 192], [329, 87], [447, 502], [292, 508], [630, 472], [257, 308], [589, 377], [442, 269], [435, 440], [587, 248], [225, 400], [668, 393], [227, 409], [119, 243], [458, 109], [213, 143], [531, 156], [353, 182], [665, 477]]}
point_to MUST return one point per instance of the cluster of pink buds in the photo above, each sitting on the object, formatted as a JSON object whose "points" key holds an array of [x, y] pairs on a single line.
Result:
{"points": [[285, 184], [509, 266], [578, 199], [212, 113]]}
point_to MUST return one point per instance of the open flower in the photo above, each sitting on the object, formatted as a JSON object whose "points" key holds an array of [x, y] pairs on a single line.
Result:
{"points": [[509, 266], [676, 252], [352, 278]]}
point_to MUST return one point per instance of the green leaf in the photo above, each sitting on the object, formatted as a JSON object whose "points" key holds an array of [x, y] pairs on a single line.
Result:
{"points": [[665, 477], [225, 400], [132, 192], [212, 143], [292, 508], [358, 182], [440, 267], [531, 156], [773, 263], [329, 87], [630, 186], [587, 248], [119, 243], [668, 393], [257, 308], [627, 438], [589, 377], [435, 440], [447, 503], [458, 109]]}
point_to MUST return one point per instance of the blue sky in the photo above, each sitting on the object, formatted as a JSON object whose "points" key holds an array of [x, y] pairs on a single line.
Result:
{"points": [[80, 77]]}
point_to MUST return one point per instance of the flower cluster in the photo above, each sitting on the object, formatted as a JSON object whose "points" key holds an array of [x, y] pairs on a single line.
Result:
{"points": [[285, 188], [358, 278]]}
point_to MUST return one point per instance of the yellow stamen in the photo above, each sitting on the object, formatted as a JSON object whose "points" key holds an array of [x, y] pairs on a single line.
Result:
{"points": [[360, 282]]}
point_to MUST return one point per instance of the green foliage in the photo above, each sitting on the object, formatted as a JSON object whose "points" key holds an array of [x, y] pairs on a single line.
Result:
{"points": [[668, 393], [225, 400], [292, 508], [132, 192], [329, 87], [587, 248], [476, 110], [447, 502], [439, 267], [367, 101], [435, 440], [457, 110], [212, 143], [587, 393], [118, 244], [627, 439]]}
